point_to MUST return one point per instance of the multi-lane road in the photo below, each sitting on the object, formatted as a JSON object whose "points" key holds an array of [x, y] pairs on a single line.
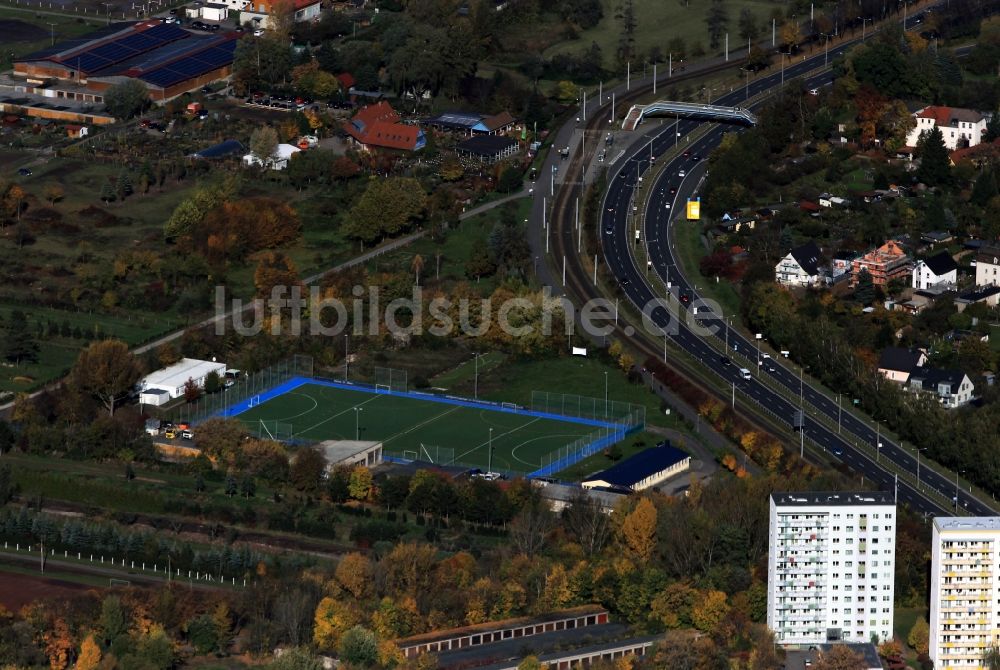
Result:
{"points": [[664, 208]]}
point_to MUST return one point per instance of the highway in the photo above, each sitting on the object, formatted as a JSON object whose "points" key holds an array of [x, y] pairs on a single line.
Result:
{"points": [[670, 192]]}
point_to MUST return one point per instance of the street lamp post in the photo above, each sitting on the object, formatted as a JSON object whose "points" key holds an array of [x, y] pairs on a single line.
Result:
{"points": [[878, 441], [956, 489], [489, 468], [757, 339], [919, 449], [605, 393], [357, 424], [475, 384]]}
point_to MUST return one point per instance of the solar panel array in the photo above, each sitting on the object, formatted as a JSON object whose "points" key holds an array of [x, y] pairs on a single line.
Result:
{"points": [[117, 51], [192, 66]]}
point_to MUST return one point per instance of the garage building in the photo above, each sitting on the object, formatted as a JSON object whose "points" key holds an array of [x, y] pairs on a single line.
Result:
{"points": [[351, 452]]}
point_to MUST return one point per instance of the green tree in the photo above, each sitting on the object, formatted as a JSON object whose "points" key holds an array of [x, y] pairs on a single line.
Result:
{"points": [[113, 622], [716, 19], [864, 291], [358, 646], [264, 143], [919, 636], [248, 487], [385, 208], [296, 658], [231, 485], [985, 188], [203, 634], [126, 99], [510, 180], [19, 343], [307, 469], [479, 263], [106, 370], [107, 192], [749, 26], [213, 383], [123, 185], [992, 131], [935, 165]]}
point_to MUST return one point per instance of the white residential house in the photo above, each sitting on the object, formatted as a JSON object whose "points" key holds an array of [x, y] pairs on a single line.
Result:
{"points": [[799, 267], [988, 267], [965, 585], [279, 161], [938, 271], [897, 364], [953, 388], [259, 12], [960, 127], [831, 567]]}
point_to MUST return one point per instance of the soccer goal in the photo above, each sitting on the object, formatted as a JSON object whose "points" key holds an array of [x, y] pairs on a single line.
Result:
{"points": [[253, 401], [436, 455], [274, 430], [382, 388], [118, 582], [410, 455], [510, 406]]}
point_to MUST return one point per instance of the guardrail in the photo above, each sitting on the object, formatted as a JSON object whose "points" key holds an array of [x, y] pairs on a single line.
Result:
{"points": [[688, 110]]}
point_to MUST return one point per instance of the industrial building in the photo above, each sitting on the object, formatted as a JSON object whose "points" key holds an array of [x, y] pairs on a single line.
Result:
{"points": [[168, 59], [964, 587], [831, 567]]}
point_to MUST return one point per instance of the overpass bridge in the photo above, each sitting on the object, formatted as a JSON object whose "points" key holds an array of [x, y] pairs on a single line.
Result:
{"points": [[688, 110]]}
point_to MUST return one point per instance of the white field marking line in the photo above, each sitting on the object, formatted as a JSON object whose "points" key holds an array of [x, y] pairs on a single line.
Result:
{"points": [[422, 424], [523, 425], [488, 416], [295, 416], [331, 418], [513, 451]]}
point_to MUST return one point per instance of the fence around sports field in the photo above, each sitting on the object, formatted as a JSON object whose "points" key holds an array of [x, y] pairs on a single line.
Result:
{"points": [[612, 420]]}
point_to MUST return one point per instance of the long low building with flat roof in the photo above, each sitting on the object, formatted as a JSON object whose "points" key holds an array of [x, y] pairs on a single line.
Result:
{"points": [[172, 379], [166, 58], [643, 470]]}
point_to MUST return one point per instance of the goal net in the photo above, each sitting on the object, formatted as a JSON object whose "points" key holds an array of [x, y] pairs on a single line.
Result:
{"points": [[274, 430], [392, 379], [436, 455]]}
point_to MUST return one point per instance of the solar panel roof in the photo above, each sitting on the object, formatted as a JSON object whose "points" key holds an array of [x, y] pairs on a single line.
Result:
{"points": [[139, 42], [163, 77], [89, 62]]}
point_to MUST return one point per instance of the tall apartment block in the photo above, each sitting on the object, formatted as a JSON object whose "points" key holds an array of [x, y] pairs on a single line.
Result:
{"points": [[831, 565], [965, 593]]}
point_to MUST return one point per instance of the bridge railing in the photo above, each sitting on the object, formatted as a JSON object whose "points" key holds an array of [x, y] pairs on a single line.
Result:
{"points": [[690, 110]]}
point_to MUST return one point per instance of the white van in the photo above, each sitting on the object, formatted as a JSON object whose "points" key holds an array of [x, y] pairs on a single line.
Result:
{"points": [[744, 373]]}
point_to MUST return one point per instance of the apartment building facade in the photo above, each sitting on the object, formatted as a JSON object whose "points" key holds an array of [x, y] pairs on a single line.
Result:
{"points": [[965, 592], [831, 564], [890, 261]]}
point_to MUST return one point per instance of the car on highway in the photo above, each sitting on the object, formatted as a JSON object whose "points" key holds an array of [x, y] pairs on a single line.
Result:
{"points": [[609, 228], [673, 190], [686, 154], [745, 373], [682, 174], [685, 298], [725, 361], [838, 452], [695, 158]]}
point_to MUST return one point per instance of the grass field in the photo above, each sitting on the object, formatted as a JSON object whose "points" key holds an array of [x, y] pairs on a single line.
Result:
{"points": [[416, 426], [658, 21]]}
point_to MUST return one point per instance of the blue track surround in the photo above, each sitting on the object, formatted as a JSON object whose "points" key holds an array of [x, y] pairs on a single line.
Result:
{"points": [[618, 431]]}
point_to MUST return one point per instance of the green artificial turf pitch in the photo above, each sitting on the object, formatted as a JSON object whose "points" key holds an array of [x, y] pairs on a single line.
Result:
{"points": [[405, 424]]}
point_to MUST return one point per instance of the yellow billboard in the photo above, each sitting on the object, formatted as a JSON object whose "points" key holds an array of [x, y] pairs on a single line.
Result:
{"points": [[694, 209]]}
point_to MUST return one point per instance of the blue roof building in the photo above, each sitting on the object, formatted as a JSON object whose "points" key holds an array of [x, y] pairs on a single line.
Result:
{"points": [[643, 470]]}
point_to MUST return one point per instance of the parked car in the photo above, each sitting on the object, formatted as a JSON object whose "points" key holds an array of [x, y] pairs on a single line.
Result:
{"points": [[24, 172]]}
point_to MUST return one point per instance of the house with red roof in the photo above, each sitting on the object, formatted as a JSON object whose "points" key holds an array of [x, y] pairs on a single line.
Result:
{"points": [[960, 127], [259, 12], [378, 126]]}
